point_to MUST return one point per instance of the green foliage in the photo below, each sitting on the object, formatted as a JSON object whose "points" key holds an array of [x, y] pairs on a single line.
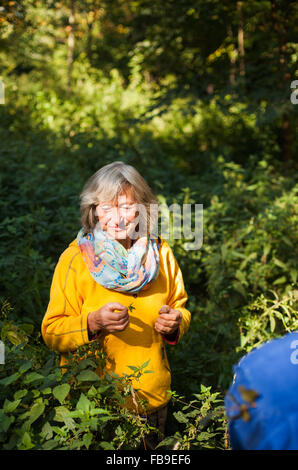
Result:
{"points": [[202, 422], [242, 283], [267, 318], [142, 86], [247, 261], [44, 407]]}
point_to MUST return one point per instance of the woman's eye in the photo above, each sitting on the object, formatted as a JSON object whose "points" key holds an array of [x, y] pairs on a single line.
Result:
{"points": [[107, 208]]}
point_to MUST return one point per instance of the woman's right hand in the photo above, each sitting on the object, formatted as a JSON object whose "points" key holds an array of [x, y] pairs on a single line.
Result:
{"points": [[106, 319]]}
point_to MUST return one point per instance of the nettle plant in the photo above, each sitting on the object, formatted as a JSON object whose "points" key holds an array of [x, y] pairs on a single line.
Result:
{"points": [[202, 422], [43, 407]]}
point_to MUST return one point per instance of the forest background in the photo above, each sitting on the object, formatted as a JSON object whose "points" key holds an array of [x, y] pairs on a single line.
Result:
{"points": [[200, 96]]}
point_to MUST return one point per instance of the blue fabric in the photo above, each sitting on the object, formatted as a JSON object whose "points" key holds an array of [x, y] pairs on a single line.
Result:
{"points": [[116, 268], [272, 371]]}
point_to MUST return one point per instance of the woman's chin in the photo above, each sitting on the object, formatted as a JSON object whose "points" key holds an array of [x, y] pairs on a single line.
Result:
{"points": [[118, 234]]}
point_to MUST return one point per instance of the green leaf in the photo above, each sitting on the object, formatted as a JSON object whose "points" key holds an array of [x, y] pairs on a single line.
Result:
{"points": [[118, 431], [14, 337], [88, 362], [240, 276], [293, 274], [106, 445], [76, 444], [104, 419], [10, 406], [92, 392], [47, 431], [280, 280], [26, 366], [62, 416], [10, 379], [87, 439], [103, 388], [26, 441], [96, 411], [36, 411], [272, 323], [180, 417], [27, 327], [5, 422], [33, 377], [170, 442], [280, 264], [145, 364], [224, 250], [239, 288], [205, 436], [83, 404], [20, 394], [237, 254], [61, 391], [87, 375], [267, 249], [75, 414], [287, 241], [49, 445]]}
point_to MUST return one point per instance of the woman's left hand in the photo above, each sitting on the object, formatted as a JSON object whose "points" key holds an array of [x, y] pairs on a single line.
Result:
{"points": [[168, 320]]}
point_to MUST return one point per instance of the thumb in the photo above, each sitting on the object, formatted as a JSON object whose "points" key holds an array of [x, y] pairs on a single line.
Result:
{"points": [[115, 306], [165, 309]]}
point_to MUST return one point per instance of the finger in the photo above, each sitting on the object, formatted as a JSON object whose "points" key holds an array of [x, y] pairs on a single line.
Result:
{"points": [[123, 320], [168, 316], [119, 317], [167, 323], [119, 327], [165, 309], [171, 317], [163, 329], [158, 327], [112, 306], [118, 310], [112, 322]]}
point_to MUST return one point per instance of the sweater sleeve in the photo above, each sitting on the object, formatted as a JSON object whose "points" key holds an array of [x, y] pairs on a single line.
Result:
{"points": [[177, 296], [64, 327]]}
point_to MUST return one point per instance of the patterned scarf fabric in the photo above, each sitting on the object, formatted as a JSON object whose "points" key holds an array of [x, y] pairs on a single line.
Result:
{"points": [[116, 268]]}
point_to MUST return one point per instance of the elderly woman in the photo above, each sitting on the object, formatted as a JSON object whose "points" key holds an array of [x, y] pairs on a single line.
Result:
{"points": [[109, 266]]}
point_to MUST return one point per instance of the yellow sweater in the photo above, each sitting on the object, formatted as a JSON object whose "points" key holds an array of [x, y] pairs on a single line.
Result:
{"points": [[74, 294]]}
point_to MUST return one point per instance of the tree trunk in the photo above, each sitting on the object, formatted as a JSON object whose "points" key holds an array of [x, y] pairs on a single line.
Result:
{"points": [[280, 28], [233, 57], [241, 40], [89, 41], [71, 46]]}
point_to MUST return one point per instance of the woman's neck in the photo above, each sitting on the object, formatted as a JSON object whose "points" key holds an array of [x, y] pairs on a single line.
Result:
{"points": [[127, 243]]}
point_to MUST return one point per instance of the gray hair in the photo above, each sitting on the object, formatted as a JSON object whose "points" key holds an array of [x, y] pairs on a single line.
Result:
{"points": [[107, 184]]}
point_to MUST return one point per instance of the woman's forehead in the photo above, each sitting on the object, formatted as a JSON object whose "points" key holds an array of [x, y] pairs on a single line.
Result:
{"points": [[122, 197]]}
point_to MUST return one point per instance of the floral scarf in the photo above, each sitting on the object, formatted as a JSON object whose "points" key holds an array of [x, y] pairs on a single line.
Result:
{"points": [[116, 268]]}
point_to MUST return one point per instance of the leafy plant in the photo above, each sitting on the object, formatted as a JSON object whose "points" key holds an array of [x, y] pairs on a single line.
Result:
{"points": [[267, 318], [44, 406], [201, 420]]}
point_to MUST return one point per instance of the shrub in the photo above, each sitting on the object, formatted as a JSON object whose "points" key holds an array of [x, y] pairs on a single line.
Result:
{"points": [[43, 407]]}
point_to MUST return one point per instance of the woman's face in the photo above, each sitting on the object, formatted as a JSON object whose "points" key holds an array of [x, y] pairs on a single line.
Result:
{"points": [[118, 220]]}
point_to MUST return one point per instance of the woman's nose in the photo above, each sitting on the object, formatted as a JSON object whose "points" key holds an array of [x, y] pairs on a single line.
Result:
{"points": [[116, 215]]}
